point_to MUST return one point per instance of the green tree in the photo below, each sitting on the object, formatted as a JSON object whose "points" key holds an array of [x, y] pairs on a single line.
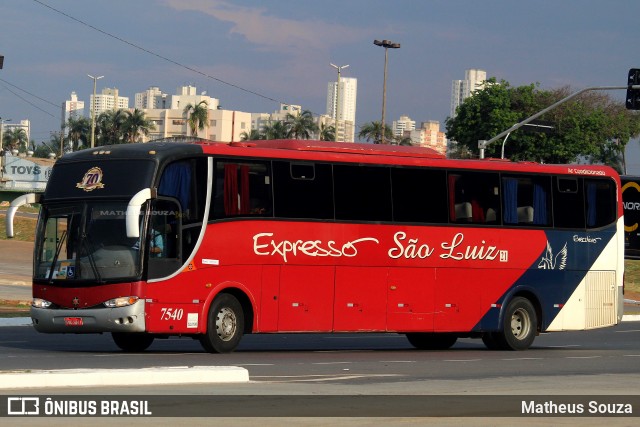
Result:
{"points": [[15, 139], [110, 127], [197, 116], [327, 132], [592, 126], [276, 130], [78, 132], [404, 141], [136, 125], [301, 126], [372, 131], [253, 135]]}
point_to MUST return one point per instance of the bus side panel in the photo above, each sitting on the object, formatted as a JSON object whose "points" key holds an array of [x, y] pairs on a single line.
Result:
{"points": [[361, 299], [267, 320], [410, 303], [306, 298], [464, 295]]}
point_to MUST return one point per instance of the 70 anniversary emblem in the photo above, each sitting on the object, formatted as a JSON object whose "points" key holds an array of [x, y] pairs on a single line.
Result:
{"points": [[91, 180]]}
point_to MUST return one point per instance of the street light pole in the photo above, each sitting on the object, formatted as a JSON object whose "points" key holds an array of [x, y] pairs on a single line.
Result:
{"points": [[386, 44], [339, 68], [92, 106]]}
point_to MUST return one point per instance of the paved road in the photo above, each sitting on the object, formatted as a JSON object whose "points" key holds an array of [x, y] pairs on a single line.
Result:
{"points": [[15, 270]]}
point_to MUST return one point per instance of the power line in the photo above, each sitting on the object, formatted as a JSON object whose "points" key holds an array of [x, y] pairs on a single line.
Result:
{"points": [[26, 100], [29, 93], [157, 55]]}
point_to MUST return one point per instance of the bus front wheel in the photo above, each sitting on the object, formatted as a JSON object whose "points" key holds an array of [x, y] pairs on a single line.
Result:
{"points": [[225, 325], [518, 329], [132, 342]]}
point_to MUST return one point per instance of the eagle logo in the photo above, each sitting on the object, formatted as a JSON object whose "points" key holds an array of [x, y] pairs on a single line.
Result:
{"points": [[551, 262]]}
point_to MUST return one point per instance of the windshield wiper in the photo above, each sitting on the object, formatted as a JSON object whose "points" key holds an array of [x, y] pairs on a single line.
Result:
{"points": [[63, 237], [92, 262]]}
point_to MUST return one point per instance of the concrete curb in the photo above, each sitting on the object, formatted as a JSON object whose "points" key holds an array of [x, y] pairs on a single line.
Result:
{"points": [[118, 377]]}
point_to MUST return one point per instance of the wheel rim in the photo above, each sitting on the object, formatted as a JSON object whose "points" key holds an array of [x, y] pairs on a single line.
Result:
{"points": [[520, 324], [226, 324]]}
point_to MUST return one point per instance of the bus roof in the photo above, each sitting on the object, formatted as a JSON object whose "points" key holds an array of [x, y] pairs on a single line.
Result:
{"points": [[309, 150], [341, 147]]}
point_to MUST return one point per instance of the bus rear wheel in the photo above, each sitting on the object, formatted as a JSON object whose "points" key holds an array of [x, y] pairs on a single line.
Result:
{"points": [[225, 325], [132, 342], [431, 341], [518, 329]]}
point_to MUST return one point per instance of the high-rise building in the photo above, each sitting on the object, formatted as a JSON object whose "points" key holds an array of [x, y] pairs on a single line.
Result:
{"points": [[461, 89], [430, 136], [404, 123], [346, 95], [108, 99], [186, 95], [152, 98], [72, 108]]}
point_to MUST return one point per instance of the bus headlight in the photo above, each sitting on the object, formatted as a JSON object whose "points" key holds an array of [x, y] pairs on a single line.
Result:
{"points": [[40, 303], [120, 302]]}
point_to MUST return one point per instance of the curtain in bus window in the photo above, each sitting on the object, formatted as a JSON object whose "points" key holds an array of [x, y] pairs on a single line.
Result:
{"points": [[452, 196], [539, 205], [176, 182], [230, 189], [236, 202], [591, 204], [510, 194]]}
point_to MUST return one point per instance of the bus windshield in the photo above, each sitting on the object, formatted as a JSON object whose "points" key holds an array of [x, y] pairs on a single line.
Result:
{"points": [[85, 241]]}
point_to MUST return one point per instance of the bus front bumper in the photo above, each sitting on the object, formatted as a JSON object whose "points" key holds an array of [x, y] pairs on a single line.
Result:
{"points": [[92, 320]]}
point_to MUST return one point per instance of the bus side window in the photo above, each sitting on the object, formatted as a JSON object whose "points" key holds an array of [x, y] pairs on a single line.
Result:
{"points": [[600, 202], [568, 202], [526, 200], [474, 197], [419, 195], [242, 188], [302, 190], [362, 193]]}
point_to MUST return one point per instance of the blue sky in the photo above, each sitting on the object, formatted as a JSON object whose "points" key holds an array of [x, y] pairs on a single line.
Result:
{"points": [[281, 50]]}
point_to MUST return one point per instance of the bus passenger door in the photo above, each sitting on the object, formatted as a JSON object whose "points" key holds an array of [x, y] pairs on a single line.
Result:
{"points": [[410, 301], [306, 298], [361, 299]]}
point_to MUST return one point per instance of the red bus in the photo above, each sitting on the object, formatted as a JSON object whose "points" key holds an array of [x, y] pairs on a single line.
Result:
{"points": [[214, 241]]}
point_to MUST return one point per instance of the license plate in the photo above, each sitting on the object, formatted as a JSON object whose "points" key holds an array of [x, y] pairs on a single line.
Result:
{"points": [[73, 321]]}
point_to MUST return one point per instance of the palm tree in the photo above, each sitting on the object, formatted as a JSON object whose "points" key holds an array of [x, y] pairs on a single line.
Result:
{"points": [[197, 116], [136, 124], [373, 131], [79, 129], [276, 130], [110, 127], [404, 141], [15, 138], [327, 132], [301, 126], [253, 135]]}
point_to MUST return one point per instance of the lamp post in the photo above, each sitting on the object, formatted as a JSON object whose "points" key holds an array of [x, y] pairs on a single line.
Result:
{"points": [[339, 68], [386, 44], [92, 106]]}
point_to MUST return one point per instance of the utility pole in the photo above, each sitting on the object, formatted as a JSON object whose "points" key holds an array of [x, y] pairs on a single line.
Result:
{"points": [[93, 113]]}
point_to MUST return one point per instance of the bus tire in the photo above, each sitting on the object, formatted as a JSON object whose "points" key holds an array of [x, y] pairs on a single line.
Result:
{"points": [[132, 342], [519, 326], [490, 341], [225, 325], [431, 341]]}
